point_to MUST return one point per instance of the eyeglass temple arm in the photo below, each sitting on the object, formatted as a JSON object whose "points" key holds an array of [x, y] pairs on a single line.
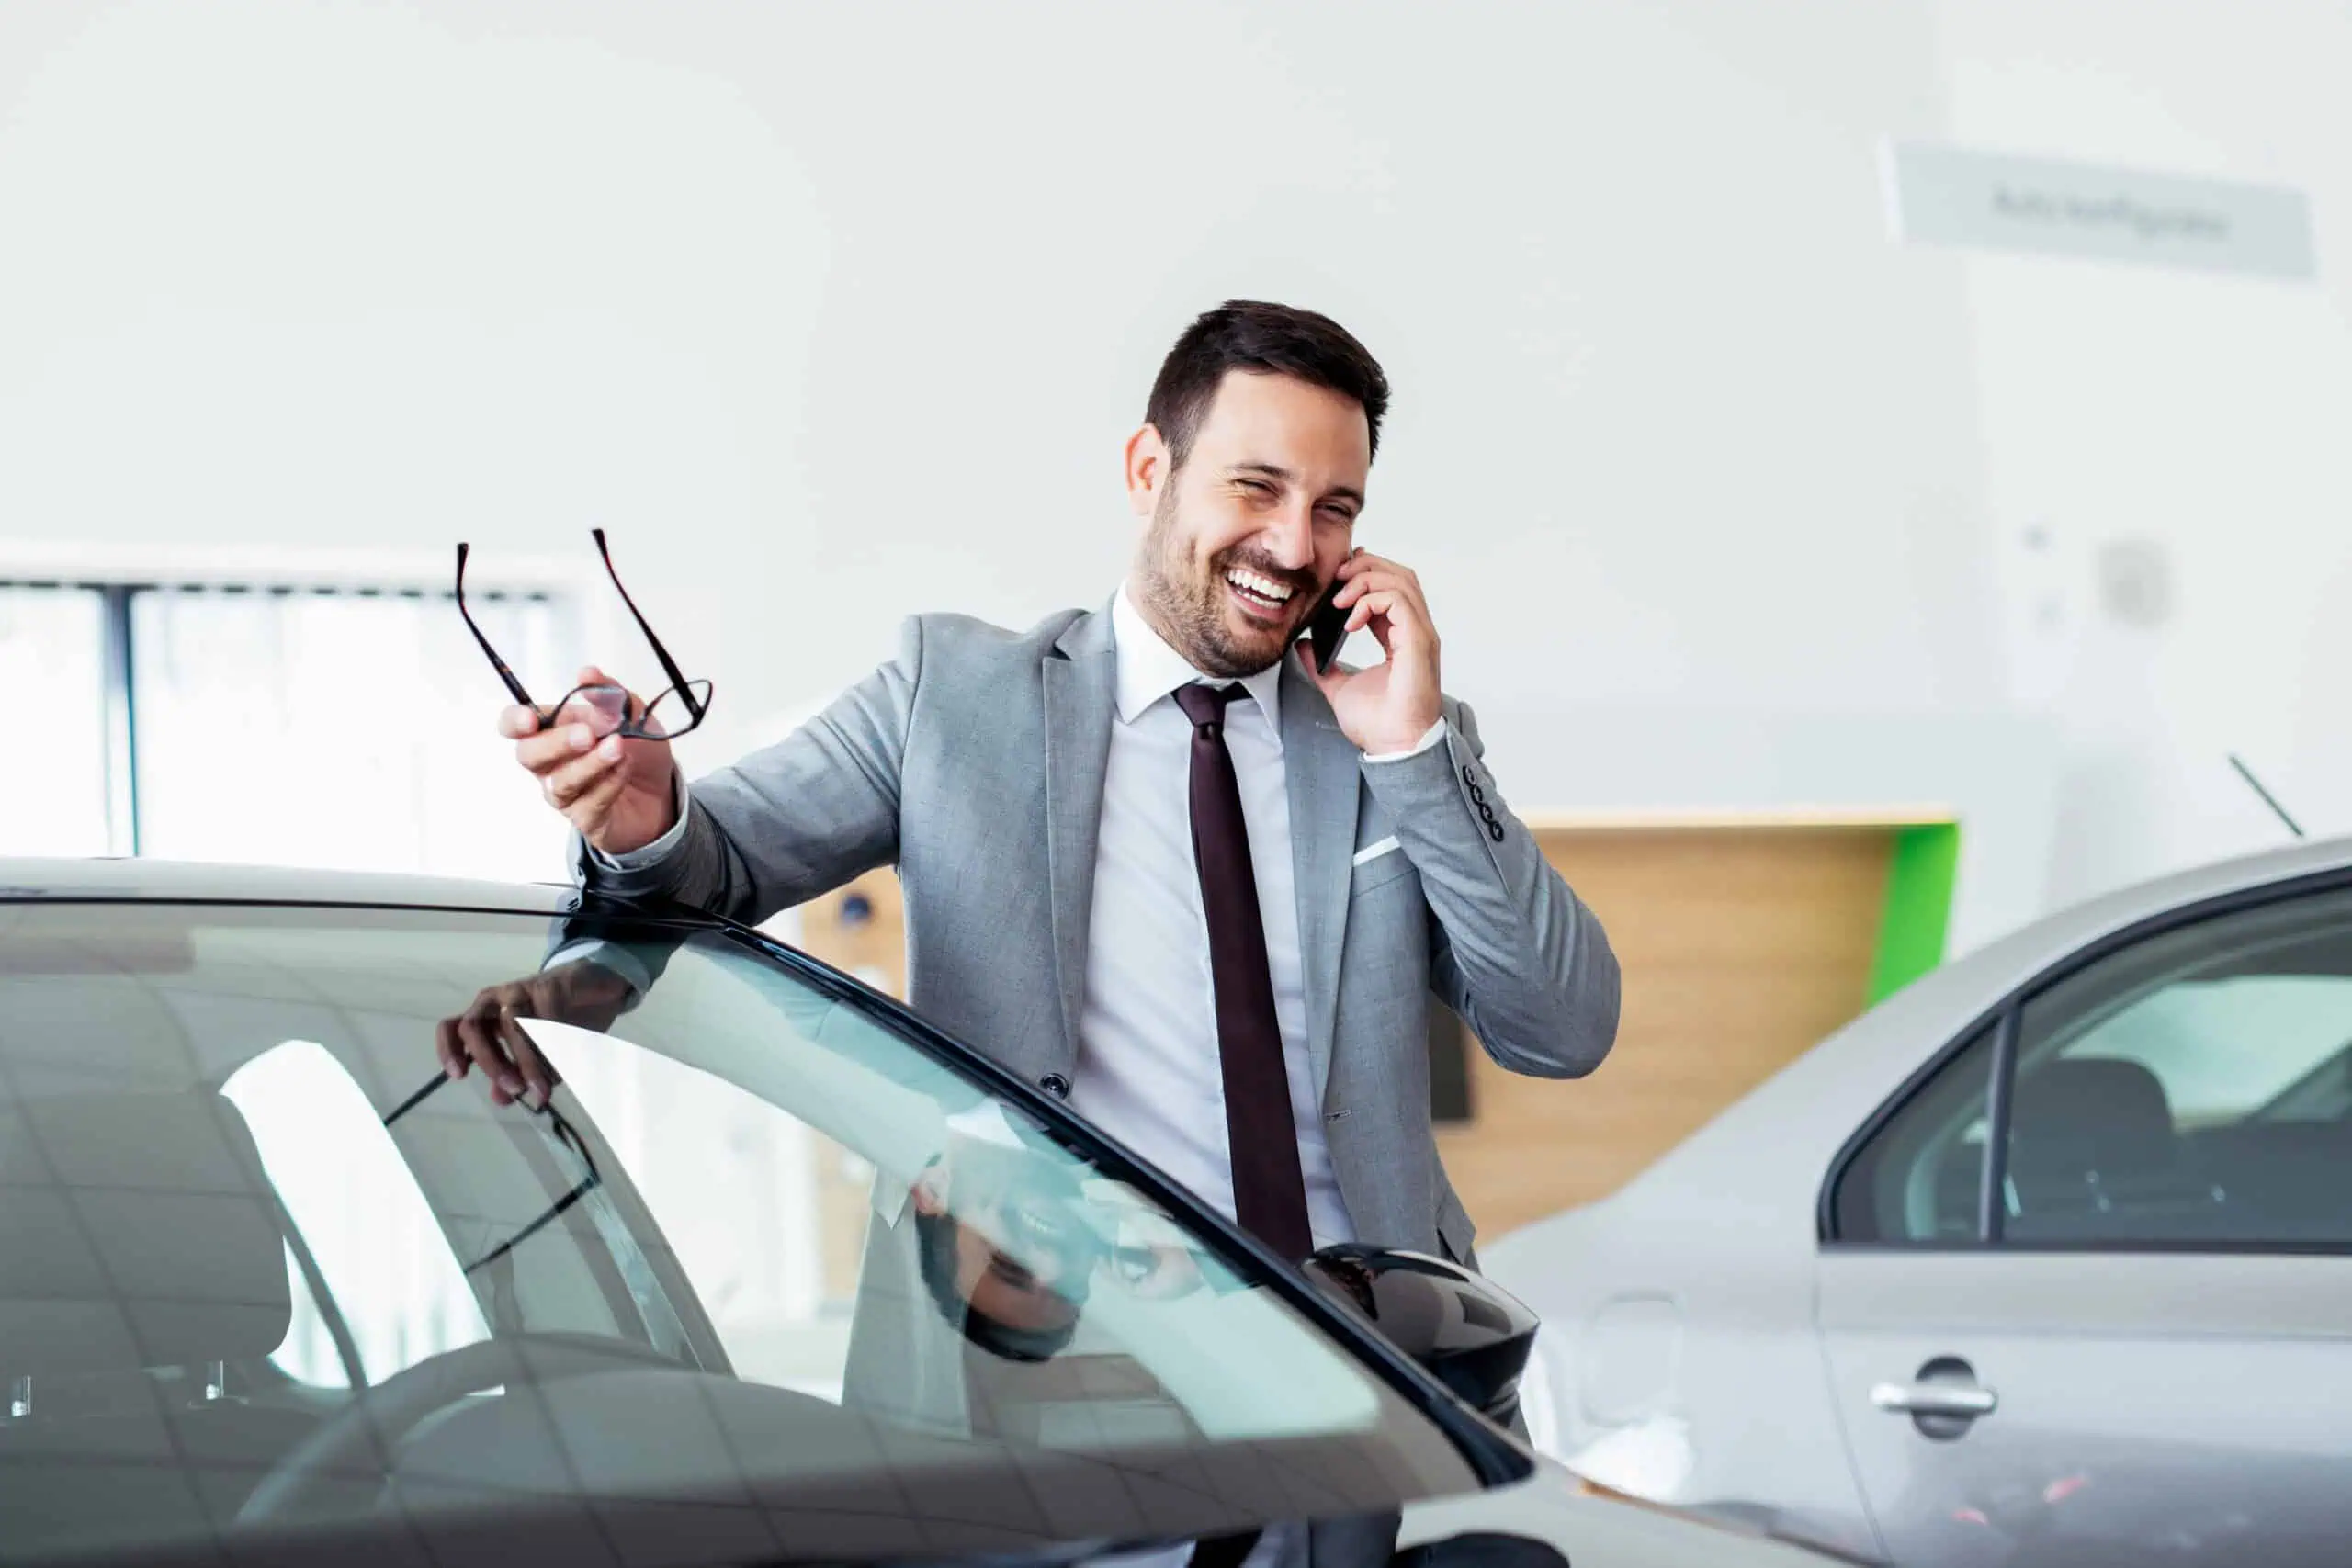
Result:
{"points": [[496, 663], [669, 665]]}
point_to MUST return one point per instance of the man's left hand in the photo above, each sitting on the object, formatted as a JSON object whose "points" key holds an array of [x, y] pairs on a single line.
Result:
{"points": [[1390, 705], [487, 1035]]}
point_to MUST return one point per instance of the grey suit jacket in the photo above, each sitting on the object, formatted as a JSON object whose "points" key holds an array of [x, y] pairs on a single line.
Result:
{"points": [[974, 763]]}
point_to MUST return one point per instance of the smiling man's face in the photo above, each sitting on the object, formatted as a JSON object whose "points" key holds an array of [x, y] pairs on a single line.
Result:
{"points": [[999, 1254], [1248, 533]]}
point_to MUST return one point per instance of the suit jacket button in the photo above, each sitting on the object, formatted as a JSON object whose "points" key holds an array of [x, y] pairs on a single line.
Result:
{"points": [[1494, 830], [1055, 1084]]}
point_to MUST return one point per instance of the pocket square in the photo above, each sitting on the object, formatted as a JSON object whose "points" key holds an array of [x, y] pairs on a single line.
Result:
{"points": [[1374, 851]]}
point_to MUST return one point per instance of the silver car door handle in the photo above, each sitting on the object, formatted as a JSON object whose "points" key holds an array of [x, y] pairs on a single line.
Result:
{"points": [[1935, 1399]]}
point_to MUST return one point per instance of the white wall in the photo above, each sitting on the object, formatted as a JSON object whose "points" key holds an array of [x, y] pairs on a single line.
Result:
{"points": [[830, 312], [834, 311], [2205, 416]]}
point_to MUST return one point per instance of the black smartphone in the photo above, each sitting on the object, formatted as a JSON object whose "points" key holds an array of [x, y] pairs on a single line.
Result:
{"points": [[1327, 628]]}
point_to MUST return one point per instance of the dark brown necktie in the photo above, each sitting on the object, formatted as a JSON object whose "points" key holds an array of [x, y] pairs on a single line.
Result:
{"points": [[1269, 1190]]}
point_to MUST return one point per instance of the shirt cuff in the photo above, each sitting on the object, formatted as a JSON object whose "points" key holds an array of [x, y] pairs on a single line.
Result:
{"points": [[1436, 731], [658, 850], [607, 956]]}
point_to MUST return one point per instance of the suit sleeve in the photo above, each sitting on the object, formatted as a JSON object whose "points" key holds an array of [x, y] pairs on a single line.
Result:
{"points": [[791, 820], [1515, 952]]}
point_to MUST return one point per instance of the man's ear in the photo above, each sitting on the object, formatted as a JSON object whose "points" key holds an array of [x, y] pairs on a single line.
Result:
{"points": [[1148, 469]]}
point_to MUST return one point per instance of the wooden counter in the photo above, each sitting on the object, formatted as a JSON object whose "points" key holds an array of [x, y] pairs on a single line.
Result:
{"points": [[1744, 939]]}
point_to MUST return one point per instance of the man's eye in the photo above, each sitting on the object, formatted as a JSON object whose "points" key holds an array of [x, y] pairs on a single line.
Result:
{"points": [[1257, 486]]}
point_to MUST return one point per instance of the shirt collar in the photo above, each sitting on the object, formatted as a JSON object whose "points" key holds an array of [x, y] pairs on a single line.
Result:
{"points": [[1149, 668]]}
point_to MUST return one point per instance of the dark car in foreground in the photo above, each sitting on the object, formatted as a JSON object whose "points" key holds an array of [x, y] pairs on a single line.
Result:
{"points": [[276, 1287]]}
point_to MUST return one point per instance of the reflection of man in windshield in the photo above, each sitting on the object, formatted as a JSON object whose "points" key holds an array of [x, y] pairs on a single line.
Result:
{"points": [[1005, 1253]]}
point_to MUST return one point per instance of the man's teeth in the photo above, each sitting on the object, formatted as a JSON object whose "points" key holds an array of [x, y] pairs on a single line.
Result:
{"points": [[1264, 588]]}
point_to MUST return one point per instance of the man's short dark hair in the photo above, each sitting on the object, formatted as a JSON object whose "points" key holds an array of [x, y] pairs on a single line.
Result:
{"points": [[935, 1248], [1249, 335]]}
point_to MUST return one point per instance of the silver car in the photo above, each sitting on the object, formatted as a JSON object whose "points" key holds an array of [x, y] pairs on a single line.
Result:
{"points": [[2046, 1259]]}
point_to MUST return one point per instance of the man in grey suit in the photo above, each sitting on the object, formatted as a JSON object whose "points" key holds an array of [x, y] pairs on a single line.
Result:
{"points": [[1153, 861]]}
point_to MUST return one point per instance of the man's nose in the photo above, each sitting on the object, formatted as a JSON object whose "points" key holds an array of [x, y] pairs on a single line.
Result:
{"points": [[1289, 539]]}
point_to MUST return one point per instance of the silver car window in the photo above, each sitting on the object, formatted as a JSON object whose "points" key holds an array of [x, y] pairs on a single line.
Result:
{"points": [[1918, 1178], [2155, 1098], [2191, 1089]]}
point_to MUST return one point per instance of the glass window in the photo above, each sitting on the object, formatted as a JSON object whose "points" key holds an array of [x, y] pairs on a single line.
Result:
{"points": [[369, 717], [2191, 1089], [617, 1302], [1918, 1177], [362, 1221], [52, 665]]}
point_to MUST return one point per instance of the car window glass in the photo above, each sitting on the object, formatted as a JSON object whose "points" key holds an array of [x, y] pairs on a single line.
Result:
{"points": [[356, 1211], [710, 1161], [1918, 1177], [1060, 1266], [247, 1214], [2190, 1088]]}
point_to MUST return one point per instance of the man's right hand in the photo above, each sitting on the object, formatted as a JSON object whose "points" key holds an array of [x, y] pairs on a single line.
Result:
{"points": [[621, 793]]}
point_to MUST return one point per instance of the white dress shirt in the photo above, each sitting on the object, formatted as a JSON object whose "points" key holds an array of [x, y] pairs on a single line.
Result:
{"points": [[1148, 1070]]}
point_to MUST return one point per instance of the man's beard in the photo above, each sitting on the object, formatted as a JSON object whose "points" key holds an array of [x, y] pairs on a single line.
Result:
{"points": [[1191, 609]]}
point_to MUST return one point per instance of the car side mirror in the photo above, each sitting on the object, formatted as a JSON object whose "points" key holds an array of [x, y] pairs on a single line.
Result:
{"points": [[1472, 1334]]}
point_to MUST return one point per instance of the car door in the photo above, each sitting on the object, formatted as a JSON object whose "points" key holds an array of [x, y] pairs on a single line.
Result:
{"points": [[2085, 1287]]}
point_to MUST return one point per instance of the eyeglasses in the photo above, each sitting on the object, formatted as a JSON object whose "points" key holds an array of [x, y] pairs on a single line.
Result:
{"points": [[679, 708], [559, 1133]]}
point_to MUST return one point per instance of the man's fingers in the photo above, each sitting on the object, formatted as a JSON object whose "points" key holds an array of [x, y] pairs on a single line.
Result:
{"points": [[542, 753], [478, 1032], [1392, 582], [600, 710], [565, 785], [539, 1078], [1365, 574], [452, 1051], [1382, 604], [1395, 609], [490, 1035], [1365, 562], [520, 723], [591, 805]]}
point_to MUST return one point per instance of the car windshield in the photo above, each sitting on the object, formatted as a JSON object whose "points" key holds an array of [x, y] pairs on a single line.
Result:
{"points": [[762, 1281]]}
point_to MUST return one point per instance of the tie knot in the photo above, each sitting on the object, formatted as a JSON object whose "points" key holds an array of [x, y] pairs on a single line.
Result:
{"points": [[1204, 705]]}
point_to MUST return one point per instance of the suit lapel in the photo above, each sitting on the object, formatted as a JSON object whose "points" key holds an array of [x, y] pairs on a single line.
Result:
{"points": [[1081, 695], [1322, 769]]}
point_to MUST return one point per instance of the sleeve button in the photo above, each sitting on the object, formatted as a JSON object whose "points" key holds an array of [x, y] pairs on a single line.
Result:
{"points": [[1055, 1084]]}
